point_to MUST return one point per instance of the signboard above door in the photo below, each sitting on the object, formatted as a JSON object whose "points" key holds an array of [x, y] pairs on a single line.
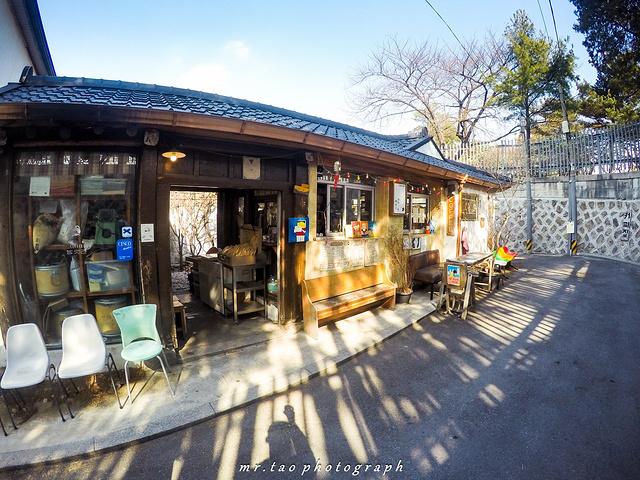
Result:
{"points": [[251, 168]]}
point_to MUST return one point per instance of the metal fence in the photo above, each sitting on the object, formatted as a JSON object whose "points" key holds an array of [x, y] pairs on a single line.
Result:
{"points": [[610, 149]]}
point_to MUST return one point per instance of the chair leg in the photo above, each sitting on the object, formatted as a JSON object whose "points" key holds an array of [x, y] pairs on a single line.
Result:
{"points": [[24, 404], [111, 365], [165, 360], [126, 376], [74, 386], [8, 409], [64, 389], [55, 397], [165, 374]]}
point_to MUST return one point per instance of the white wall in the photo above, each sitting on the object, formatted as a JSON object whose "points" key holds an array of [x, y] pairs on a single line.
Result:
{"points": [[13, 53]]}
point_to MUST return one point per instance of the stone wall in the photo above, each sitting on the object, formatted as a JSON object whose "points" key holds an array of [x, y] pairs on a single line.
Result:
{"points": [[605, 203]]}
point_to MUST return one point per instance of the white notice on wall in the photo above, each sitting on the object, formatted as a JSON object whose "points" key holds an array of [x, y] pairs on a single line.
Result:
{"points": [[39, 186], [371, 252], [146, 232], [571, 227]]}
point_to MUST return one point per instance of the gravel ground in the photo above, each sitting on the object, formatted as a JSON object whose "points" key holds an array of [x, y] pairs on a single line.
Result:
{"points": [[180, 282]]}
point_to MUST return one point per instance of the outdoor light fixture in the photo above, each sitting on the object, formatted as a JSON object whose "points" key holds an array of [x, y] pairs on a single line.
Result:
{"points": [[173, 155]]}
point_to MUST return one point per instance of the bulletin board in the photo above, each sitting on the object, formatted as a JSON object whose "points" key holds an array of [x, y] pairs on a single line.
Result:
{"points": [[345, 254]]}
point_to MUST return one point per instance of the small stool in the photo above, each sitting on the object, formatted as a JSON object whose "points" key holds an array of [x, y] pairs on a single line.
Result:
{"points": [[178, 309]]}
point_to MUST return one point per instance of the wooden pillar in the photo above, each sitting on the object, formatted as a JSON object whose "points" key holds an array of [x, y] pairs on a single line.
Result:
{"points": [[152, 198], [9, 310], [293, 262]]}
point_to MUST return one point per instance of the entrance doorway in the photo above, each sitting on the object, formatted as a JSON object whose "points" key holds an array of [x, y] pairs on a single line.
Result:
{"points": [[203, 221]]}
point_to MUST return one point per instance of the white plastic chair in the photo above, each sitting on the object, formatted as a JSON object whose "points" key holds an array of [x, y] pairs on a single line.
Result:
{"points": [[84, 351], [140, 338], [28, 363]]}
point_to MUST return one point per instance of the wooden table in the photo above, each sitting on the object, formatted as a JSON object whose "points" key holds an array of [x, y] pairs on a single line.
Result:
{"points": [[470, 259]]}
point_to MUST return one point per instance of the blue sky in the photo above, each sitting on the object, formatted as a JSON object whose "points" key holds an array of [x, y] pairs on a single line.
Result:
{"points": [[295, 54]]}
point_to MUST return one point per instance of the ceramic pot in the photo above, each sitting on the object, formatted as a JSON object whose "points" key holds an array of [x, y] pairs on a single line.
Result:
{"points": [[403, 297]]}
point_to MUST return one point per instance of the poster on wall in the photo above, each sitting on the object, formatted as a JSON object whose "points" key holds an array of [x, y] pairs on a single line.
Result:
{"points": [[298, 230], [398, 198], [39, 186], [355, 253], [371, 252], [340, 254]]}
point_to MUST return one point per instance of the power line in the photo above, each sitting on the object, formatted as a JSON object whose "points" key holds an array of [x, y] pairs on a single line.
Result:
{"points": [[543, 20], [450, 29], [554, 22]]}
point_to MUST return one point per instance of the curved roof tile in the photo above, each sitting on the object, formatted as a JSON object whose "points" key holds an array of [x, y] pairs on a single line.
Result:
{"points": [[71, 90]]}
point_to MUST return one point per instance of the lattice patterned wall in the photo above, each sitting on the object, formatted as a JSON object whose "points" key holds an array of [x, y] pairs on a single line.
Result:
{"points": [[600, 220]]}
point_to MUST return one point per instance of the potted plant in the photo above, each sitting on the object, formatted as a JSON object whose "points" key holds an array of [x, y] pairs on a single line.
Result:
{"points": [[401, 269]]}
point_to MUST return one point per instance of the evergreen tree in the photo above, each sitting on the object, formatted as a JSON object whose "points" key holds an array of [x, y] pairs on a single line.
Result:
{"points": [[612, 38], [534, 72]]}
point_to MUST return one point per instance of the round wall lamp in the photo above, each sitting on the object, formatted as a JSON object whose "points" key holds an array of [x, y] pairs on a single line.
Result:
{"points": [[173, 155]]}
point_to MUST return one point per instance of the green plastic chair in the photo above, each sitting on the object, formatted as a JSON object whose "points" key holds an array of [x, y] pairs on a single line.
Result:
{"points": [[140, 338]]}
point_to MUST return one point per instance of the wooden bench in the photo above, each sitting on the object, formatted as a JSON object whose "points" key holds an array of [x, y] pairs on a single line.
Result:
{"points": [[338, 296], [426, 266]]}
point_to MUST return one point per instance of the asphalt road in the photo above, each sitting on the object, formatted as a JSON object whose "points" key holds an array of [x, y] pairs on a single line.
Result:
{"points": [[541, 382]]}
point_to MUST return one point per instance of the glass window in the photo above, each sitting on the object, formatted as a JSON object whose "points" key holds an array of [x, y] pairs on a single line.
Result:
{"points": [[359, 205], [336, 209], [73, 216], [339, 206], [416, 214]]}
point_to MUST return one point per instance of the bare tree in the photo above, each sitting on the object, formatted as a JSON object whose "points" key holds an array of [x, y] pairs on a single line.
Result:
{"points": [[193, 222], [440, 86]]}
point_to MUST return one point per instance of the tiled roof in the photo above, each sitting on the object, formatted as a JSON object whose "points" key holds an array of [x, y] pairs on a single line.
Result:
{"points": [[83, 91]]}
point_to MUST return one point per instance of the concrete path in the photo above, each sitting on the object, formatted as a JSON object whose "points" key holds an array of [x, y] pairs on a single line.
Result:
{"points": [[566, 327], [204, 387]]}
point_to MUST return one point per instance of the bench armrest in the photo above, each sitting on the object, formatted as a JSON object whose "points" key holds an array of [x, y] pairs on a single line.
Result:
{"points": [[309, 313]]}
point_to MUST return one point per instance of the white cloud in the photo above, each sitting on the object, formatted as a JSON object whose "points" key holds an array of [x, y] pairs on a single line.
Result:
{"points": [[213, 78], [238, 49]]}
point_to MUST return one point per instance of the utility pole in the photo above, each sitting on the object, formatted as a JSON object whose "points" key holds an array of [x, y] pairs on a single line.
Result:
{"points": [[572, 227], [527, 162]]}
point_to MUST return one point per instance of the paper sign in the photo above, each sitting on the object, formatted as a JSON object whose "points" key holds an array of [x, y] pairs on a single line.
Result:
{"points": [[571, 227], [39, 186], [146, 232]]}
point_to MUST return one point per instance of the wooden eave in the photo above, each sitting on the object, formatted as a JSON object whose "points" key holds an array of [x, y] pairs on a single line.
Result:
{"points": [[194, 124]]}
